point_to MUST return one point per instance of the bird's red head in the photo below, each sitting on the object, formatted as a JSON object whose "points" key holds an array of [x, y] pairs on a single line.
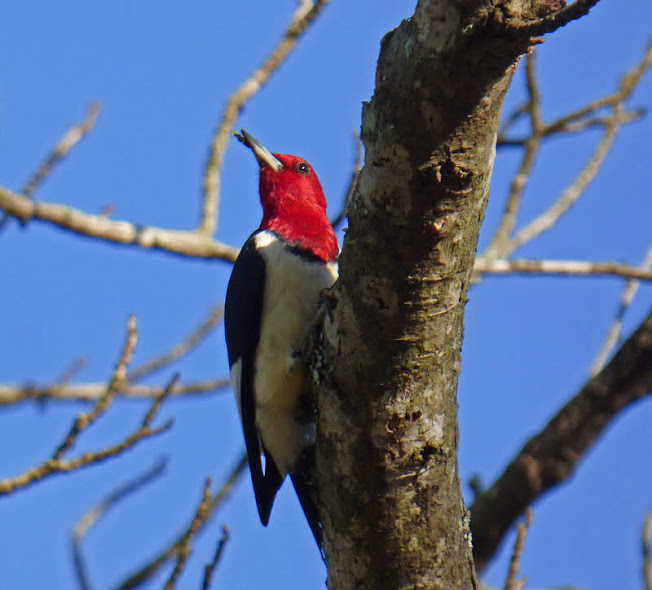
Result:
{"points": [[294, 206]]}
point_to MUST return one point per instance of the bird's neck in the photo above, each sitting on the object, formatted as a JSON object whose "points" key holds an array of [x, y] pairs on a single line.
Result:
{"points": [[311, 231]]}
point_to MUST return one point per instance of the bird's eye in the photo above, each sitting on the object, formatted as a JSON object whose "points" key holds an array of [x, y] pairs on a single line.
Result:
{"points": [[302, 168]]}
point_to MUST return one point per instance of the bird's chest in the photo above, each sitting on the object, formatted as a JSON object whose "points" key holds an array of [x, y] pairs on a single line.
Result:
{"points": [[292, 287]]}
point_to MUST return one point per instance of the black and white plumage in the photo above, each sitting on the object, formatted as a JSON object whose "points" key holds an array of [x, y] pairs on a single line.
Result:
{"points": [[272, 300]]}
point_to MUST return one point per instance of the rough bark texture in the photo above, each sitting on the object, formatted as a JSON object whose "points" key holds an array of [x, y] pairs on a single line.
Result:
{"points": [[388, 362]]}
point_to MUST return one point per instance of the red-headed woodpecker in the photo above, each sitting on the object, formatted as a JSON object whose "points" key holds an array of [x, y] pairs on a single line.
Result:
{"points": [[271, 300]]}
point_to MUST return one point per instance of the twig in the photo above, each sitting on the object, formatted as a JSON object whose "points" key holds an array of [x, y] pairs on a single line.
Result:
{"points": [[91, 517], [183, 243], [210, 568], [304, 15], [550, 22], [570, 196], [184, 548], [68, 141], [551, 456], [511, 583], [52, 466], [71, 371], [181, 349], [628, 84], [14, 394], [629, 292], [71, 138], [646, 536], [560, 267], [171, 551], [84, 420], [532, 146], [574, 127], [353, 183]]}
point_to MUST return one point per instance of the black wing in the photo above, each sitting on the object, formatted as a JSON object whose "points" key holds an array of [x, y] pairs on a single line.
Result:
{"points": [[243, 310]]}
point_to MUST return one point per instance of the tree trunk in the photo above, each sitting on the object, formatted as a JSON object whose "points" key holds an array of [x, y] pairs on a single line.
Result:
{"points": [[388, 359]]}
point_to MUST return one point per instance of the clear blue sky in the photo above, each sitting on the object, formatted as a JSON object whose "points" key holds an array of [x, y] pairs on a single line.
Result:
{"points": [[163, 71]]}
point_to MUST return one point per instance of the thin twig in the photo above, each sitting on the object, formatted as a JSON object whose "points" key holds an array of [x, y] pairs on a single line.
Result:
{"points": [[574, 127], [14, 394], [68, 141], [519, 182], [84, 420], [210, 568], [613, 336], [353, 183], [184, 547], [646, 537], [511, 583], [180, 350], [54, 465], [71, 371], [92, 516], [569, 197], [171, 551], [183, 243], [304, 15], [560, 267], [71, 138]]}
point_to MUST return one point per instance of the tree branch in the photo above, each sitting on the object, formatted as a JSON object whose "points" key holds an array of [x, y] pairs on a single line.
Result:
{"points": [[302, 18], [549, 22], [181, 349], [183, 243], [13, 394], [560, 267], [172, 550], [92, 516], [613, 335], [551, 456]]}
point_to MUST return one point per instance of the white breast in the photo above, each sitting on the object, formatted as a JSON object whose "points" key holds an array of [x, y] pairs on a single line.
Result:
{"points": [[292, 287]]}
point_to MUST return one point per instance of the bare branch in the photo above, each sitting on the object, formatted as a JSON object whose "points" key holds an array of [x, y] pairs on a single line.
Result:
{"points": [[172, 550], [210, 568], [69, 140], [302, 18], [91, 517], [53, 465], [14, 394], [183, 243], [184, 548], [629, 292], [560, 267], [646, 536], [181, 349], [70, 371], [519, 182], [551, 456], [550, 22], [570, 196], [511, 583], [84, 420]]}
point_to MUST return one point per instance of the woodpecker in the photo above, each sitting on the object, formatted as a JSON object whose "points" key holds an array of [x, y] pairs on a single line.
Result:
{"points": [[272, 298]]}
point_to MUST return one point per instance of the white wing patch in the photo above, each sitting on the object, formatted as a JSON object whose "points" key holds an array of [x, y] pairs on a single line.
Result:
{"points": [[236, 380]]}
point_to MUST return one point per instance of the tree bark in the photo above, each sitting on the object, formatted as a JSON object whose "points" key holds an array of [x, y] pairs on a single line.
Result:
{"points": [[389, 357]]}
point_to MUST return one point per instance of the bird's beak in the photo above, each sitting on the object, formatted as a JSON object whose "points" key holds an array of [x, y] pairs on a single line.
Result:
{"points": [[263, 155]]}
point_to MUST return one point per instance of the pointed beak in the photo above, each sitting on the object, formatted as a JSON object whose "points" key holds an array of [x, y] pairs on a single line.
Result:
{"points": [[263, 155]]}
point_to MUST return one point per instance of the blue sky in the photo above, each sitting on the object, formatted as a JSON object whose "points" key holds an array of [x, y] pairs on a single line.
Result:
{"points": [[162, 71]]}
